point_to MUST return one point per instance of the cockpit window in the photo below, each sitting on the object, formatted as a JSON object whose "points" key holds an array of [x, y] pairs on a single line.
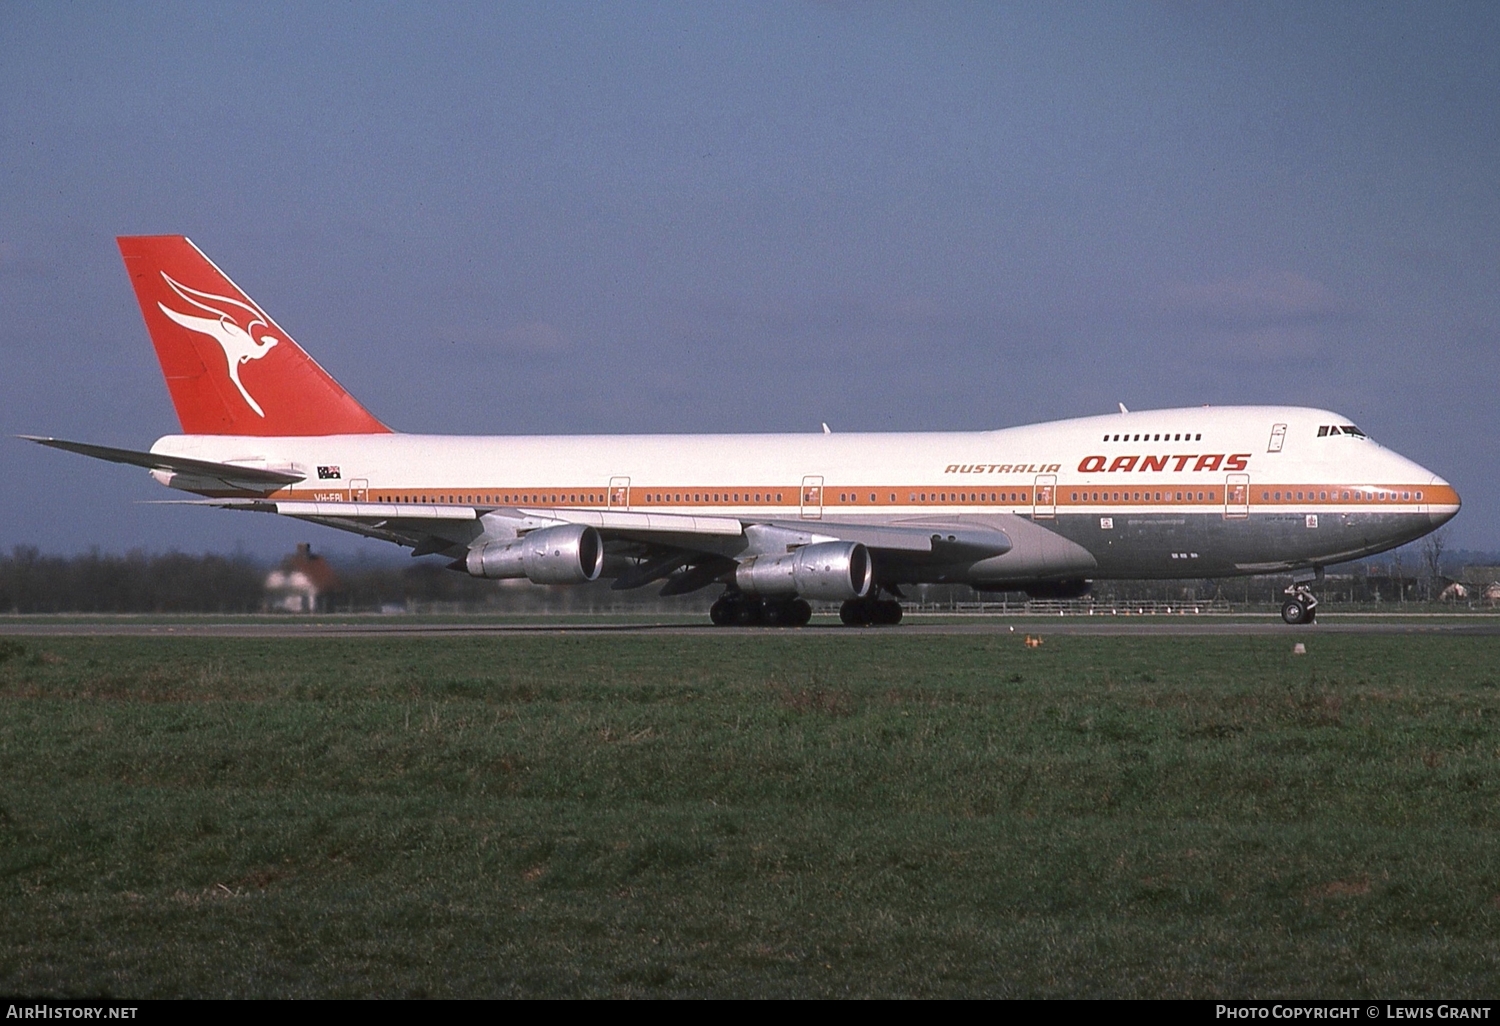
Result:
{"points": [[1325, 430]]}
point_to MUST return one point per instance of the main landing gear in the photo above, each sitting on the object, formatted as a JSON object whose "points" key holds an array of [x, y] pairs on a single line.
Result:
{"points": [[1301, 605], [870, 612], [736, 609], [740, 610]]}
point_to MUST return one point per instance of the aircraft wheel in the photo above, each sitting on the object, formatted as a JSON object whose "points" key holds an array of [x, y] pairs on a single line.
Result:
{"points": [[749, 613], [790, 613], [1294, 612], [855, 613], [787, 613], [722, 612], [888, 613]]}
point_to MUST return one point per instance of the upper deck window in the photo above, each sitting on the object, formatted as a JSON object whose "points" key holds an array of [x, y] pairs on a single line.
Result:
{"points": [[1166, 436]]}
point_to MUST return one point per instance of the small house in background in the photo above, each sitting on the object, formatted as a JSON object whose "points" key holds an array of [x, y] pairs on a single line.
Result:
{"points": [[303, 583], [1482, 582]]}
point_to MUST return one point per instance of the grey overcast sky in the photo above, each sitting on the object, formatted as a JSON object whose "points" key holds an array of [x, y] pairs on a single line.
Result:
{"points": [[537, 218]]}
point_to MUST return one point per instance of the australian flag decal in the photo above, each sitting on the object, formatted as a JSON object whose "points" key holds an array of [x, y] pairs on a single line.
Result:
{"points": [[329, 474]]}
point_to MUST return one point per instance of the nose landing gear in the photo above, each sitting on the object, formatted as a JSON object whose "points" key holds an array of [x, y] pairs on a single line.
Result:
{"points": [[1301, 605]]}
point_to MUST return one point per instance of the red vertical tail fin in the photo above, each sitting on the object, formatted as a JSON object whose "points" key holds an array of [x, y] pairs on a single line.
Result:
{"points": [[230, 368]]}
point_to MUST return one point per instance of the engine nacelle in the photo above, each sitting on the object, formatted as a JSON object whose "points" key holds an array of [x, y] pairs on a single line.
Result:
{"points": [[828, 570], [569, 554]]}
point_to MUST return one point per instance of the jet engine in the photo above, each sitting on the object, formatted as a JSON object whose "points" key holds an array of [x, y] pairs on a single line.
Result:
{"points": [[829, 570], [569, 554]]}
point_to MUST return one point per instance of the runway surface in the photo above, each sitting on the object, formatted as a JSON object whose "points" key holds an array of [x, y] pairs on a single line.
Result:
{"points": [[923, 626]]}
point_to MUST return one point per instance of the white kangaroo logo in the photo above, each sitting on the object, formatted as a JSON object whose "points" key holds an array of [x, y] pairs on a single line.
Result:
{"points": [[239, 344]]}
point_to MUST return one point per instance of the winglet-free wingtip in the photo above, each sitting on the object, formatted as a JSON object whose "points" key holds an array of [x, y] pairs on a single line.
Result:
{"points": [[47, 440]]}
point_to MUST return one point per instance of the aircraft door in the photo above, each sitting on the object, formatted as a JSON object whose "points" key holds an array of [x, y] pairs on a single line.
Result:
{"points": [[1278, 436], [619, 493], [359, 489], [1044, 506], [1236, 496], [812, 497]]}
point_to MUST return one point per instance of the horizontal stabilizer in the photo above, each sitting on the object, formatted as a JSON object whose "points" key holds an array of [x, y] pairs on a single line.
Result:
{"points": [[254, 477]]}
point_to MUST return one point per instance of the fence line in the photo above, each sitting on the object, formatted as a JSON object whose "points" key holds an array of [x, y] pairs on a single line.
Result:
{"points": [[1076, 607]]}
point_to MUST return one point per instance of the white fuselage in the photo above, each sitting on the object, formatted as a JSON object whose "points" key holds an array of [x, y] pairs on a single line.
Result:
{"points": [[1244, 473], [1188, 450]]}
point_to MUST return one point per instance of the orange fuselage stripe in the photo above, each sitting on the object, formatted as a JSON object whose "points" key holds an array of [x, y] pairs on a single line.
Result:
{"points": [[1077, 498]]}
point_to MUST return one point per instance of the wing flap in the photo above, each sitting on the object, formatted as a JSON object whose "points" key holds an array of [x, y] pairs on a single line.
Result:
{"points": [[654, 523], [945, 540]]}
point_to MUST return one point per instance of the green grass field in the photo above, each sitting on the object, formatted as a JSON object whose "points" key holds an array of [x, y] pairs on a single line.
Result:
{"points": [[865, 814]]}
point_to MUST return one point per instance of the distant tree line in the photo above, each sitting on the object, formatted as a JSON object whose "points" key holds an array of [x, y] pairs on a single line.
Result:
{"points": [[176, 582], [136, 582]]}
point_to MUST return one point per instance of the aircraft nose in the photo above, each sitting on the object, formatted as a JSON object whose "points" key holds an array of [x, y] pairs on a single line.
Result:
{"points": [[1444, 504]]}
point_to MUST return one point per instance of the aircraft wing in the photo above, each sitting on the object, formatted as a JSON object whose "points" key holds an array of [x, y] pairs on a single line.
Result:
{"points": [[925, 538], [627, 524], [944, 540], [664, 543]]}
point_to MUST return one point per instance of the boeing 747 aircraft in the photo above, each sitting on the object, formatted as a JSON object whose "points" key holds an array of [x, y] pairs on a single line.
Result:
{"points": [[773, 520]]}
